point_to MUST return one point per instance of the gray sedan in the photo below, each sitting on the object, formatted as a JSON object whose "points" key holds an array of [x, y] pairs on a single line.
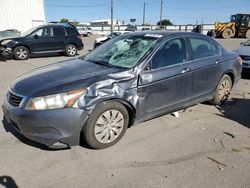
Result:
{"points": [[129, 79], [244, 53]]}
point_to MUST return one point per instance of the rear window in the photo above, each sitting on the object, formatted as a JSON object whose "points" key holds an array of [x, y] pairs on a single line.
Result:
{"points": [[71, 31], [58, 31], [201, 48]]}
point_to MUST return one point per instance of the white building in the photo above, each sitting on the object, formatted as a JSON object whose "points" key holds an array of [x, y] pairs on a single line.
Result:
{"points": [[21, 14]]}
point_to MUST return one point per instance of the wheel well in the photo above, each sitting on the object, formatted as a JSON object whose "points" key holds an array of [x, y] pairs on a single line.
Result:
{"points": [[131, 111], [231, 75], [23, 46], [130, 108], [72, 44]]}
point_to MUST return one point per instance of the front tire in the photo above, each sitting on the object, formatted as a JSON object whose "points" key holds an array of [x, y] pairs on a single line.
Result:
{"points": [[222, 91], [106, 125], [21, 53], [227, 33], [71, 50]]}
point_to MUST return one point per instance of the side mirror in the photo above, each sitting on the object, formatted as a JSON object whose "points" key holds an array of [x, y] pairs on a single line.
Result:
{"points": [[36, 36], [148, 67], [242, 43]]}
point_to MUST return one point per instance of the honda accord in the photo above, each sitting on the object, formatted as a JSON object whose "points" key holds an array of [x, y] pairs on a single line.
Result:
{"points": [[129, 79]]}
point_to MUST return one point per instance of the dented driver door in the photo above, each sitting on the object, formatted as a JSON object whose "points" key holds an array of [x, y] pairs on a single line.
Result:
{"points": [[165, 85]]}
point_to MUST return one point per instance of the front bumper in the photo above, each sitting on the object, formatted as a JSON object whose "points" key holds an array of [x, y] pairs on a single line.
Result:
{"points": [[5, 51], [246, 70], [81, 47], [47, 127]]}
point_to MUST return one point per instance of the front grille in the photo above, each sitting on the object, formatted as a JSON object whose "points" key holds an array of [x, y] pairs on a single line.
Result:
{"points": [[14, 99], [243, 57], [245, 64]]}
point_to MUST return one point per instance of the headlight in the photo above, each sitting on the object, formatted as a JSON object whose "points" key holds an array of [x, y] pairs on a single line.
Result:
{"points": [[5, 42], [60, 100]]}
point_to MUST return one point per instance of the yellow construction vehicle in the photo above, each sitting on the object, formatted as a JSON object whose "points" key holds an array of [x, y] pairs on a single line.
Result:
{"points": [[239, 26]]}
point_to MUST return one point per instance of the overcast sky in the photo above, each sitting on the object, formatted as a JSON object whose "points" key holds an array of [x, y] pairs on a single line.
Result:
{"points": [[178, 11]]}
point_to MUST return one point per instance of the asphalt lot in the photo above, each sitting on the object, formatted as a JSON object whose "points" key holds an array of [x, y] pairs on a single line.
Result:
{"points": [[206, 146]]}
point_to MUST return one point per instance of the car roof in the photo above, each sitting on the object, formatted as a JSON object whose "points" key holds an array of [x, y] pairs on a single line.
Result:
{"points": [[167, 33], [122, 32]]}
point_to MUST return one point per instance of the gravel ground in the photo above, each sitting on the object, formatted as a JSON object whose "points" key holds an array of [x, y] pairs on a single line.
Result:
{"points": [[206, 146]]}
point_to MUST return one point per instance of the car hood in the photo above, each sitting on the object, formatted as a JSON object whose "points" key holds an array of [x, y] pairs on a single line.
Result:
{"points": [[101, 39], [11, 38], [59, 77], [243, 50], [4, 38]]}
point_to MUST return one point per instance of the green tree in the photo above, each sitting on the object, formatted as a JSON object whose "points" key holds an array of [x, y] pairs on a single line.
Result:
{"points": [[165, 22], [64, 20]]}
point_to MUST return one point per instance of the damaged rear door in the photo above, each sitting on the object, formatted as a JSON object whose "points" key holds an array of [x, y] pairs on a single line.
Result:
{"points": [[165, 84]]}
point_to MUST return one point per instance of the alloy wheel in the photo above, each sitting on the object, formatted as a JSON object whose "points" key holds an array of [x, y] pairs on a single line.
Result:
{"points": [[224, 90], [71, 50], [22, 53]]}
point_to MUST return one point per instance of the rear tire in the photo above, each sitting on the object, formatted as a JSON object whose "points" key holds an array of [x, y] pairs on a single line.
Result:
{"points": [[21, 53], [227, 33], [71, 50], [248, 34], [222, 91], [106, 125]]}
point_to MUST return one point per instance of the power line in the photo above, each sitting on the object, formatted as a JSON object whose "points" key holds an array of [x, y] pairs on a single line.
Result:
{"points": [[197, 8], [124, 5], [77, 6]]}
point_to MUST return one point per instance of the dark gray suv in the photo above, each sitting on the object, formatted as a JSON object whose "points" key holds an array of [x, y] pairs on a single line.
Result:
{"points": [[129, 79], [52, 38]]}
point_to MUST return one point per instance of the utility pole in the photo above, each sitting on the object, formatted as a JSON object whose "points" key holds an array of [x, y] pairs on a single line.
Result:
{"points": [[144, 9], [112, 12], [161, 12]]}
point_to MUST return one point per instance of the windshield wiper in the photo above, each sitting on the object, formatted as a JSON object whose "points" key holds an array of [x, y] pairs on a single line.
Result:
{"points": [[99, 62]]}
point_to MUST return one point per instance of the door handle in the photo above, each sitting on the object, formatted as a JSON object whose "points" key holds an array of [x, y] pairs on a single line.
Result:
{"points": [[218, 61], [185, 70]]}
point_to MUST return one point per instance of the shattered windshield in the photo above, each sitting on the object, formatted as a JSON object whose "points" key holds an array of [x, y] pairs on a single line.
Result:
{"points": [[124, 51]]}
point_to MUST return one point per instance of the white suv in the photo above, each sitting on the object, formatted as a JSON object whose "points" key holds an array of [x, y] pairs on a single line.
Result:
{"points": [[85, 31]]}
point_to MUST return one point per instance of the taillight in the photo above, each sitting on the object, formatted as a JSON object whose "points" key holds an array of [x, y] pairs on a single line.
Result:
{"points": [[239, 60]]}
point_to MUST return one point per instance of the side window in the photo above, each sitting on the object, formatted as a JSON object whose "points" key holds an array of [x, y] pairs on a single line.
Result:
{"points": [[216, 49], [171, 53], [58, 31], [43, 32], [201, 48], [71, 31]]}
